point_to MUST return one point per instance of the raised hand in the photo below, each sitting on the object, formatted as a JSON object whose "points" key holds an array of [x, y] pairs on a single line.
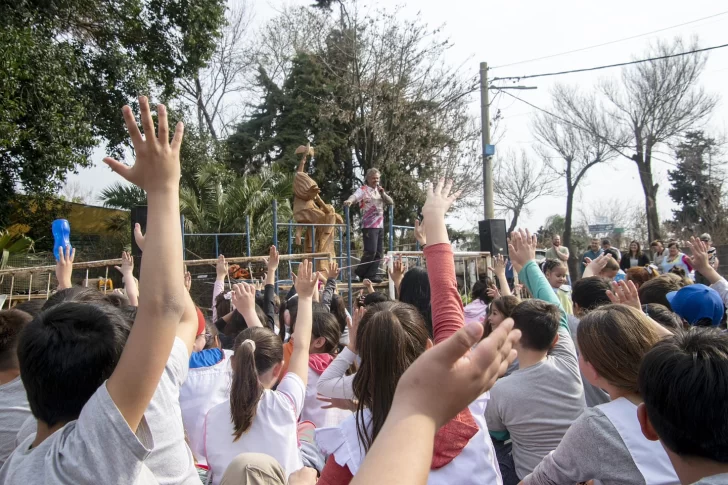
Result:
{"points": [[439, 200], [420, 235], [397, 272], [138, 236], [499, 265], [522, 248], [273, 260], [594, 267], [353, 325], [156, 168], [625, 293], [368, 286], [221, 268], [306, 280], [332, 272], [699, 257], [243, 298], [493, 292], [64, 266], [127, 266], [188, 281]]}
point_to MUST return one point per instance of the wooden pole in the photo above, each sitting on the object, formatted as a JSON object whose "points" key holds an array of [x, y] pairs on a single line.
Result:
{"points": [[48, 288], [30, 286], [10, 297]]}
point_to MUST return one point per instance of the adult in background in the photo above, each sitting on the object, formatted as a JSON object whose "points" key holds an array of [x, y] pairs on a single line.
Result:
{"points": [[675, 259], [712, 259], [371, 198], [561, 253], [607, 244], [634, 258], [659, 252], [592, 253]]}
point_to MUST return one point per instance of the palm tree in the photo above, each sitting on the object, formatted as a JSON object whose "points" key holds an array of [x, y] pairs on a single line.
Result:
{"points": [[123, 196]]}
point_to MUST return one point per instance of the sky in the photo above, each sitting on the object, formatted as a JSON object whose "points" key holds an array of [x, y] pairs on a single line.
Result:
{"points": [[509, 32]]}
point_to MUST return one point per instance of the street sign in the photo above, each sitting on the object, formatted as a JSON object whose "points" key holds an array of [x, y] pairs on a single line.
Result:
{"points": [[600, 228]]}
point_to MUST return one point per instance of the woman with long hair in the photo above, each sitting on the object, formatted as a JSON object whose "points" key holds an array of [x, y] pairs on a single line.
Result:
{"points": [[256, 418], [605, 443], [634, 258], [390, 337]]}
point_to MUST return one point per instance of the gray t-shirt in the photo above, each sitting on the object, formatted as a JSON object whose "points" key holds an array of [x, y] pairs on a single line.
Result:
{"points": [[721, 479], [98, 447], [14, 410], [591, 450], [171, 460], [536, 405]]}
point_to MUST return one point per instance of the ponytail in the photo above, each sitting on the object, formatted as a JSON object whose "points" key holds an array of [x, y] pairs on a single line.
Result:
{"points": [[257, 350]]}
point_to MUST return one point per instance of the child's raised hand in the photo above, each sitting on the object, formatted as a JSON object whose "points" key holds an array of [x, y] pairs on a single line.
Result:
{"points": [[595, 266], [138, 236], [439, 200], [353, 325], [156, 168], [243, 297], [625, 293], [522, 248], [369, 286], [420, 235], [127, 265], [273, 260], [221, 268], [332, 272], [306, 280], [699, 257], [499, 265], [64, 266], [493, 292]]}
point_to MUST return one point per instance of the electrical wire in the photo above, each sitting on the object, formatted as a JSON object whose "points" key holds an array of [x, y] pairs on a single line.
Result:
{"points": [[620, 64], [551, 56]]}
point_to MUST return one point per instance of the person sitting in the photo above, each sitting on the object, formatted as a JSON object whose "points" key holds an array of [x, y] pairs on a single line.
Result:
{"points": [[678, 372]]}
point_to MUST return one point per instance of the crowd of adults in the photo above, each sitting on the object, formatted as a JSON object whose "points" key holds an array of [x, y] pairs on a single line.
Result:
{"points": [[621, 378]]}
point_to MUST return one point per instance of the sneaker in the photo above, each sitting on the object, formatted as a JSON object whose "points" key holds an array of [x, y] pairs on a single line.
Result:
{"points": [[376, 279]]}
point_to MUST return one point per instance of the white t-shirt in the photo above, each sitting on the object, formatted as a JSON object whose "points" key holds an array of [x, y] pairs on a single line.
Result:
{"points": [[98, 447], [274, 430], [313, 408], [204, 388], [171, 460], [14, 410]]}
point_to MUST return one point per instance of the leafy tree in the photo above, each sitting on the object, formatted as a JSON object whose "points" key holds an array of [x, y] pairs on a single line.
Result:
{"points": [[697, 187], [68, 67]]}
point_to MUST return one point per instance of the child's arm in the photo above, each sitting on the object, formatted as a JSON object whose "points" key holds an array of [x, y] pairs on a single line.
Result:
{"points": [[306, 283], [244, 301], [64, 267], [269, 292], [162, 303], [499, 269], [221, 271], [447, 307], [127, 275]]}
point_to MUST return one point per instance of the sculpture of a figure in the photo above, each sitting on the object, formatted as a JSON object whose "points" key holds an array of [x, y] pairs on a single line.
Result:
{"points": [[309, 208]]}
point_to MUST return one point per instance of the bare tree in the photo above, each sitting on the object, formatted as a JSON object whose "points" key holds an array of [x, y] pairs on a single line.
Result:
{"points": [[518, 182], [74, 191], [213, 90], [655, 102], [628, 217], [570, 151]]}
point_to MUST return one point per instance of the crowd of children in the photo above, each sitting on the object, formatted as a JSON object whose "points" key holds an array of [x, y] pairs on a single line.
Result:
{"points": [[611, 382]]}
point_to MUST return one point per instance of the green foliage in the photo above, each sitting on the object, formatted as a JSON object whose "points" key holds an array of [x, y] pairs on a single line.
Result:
{"points": [[123, 196], [12, 244], [66, 68]]}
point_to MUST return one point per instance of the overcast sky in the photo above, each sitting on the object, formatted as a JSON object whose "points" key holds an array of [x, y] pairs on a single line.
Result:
{"points": [[508, 32]]}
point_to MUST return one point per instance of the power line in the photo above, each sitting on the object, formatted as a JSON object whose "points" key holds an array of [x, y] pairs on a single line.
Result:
{"points": [[610, 42], [580, 128], [597, 68]]}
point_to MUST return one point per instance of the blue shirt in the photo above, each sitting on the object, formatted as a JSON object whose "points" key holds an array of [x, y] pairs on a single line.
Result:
{"points": [[591, 255], [205, 358]]}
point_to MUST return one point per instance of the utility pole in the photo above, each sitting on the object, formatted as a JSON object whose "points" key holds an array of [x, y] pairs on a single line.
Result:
{"points": [[487, 154]]}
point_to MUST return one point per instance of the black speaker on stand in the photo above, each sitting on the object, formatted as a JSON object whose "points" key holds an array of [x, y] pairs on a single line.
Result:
{"points": [[493, 236]]}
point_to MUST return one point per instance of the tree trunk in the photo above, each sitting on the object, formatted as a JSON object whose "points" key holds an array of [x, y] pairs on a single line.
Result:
{"points": [[644, 165], [514, 222], [573, 259]]}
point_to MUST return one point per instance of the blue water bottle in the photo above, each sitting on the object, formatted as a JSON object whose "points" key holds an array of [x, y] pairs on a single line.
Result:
{"points": [[61, 235]]}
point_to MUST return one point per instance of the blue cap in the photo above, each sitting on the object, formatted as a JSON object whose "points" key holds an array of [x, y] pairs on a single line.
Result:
{"points": [[695, 302]]}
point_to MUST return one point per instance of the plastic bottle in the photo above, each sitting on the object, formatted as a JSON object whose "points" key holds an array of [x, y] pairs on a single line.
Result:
{"points": [[61, 235]]}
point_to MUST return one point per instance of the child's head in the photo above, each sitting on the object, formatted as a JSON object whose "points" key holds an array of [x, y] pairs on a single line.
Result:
{"points": [[11, 324], [589, 293], [664, 316], [639, 275], [500, 309], [66, 353], [555, 272], [325, 333], [390, 337], [656, 290], [538, 322], [613, 339], [31, 307], [480, 292], [683, 381], [79, 294], [238, 324], [415, 290], [257, 361], [611, 268], [374, 298], [223, 305], [698, 305], [338, 310]]}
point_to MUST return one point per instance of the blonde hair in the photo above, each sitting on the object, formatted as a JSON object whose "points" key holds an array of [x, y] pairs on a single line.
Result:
{"points": [[614, 339]]}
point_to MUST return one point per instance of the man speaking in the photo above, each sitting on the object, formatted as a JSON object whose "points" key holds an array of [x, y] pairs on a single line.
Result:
{"points": [[371, 198]]}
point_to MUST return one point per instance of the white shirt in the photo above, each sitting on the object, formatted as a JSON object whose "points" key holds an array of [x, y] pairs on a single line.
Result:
{"points": [[334, 382], [204, 388], [313, 408], [274, 430]]}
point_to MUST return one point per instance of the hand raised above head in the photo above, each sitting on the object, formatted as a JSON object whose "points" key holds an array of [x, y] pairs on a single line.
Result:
{"points": [[439, 200], [157, 166], [522, 248]]}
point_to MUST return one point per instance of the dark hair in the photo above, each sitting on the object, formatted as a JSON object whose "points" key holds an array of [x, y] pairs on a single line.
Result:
{"points": [[664, 316], [505, 305], [31, 307], [639, 249], [338, 310], [325, 325], [211, 330], [656, 290], [80, 294], [480, 292], [237, 322], [246, 389], [615, 256], [551, 264], [11, 323], [223, 306], [374, 298], [590, 293], [415, 290], [683, 381], [291, 305], [538, 322], [614, 339], [391, 336], [673, 243], [66, 353], [606, 241]]}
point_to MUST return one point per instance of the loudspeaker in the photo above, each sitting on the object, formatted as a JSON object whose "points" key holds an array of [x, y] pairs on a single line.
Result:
{"points": [[493, 236], [138, 215]]}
